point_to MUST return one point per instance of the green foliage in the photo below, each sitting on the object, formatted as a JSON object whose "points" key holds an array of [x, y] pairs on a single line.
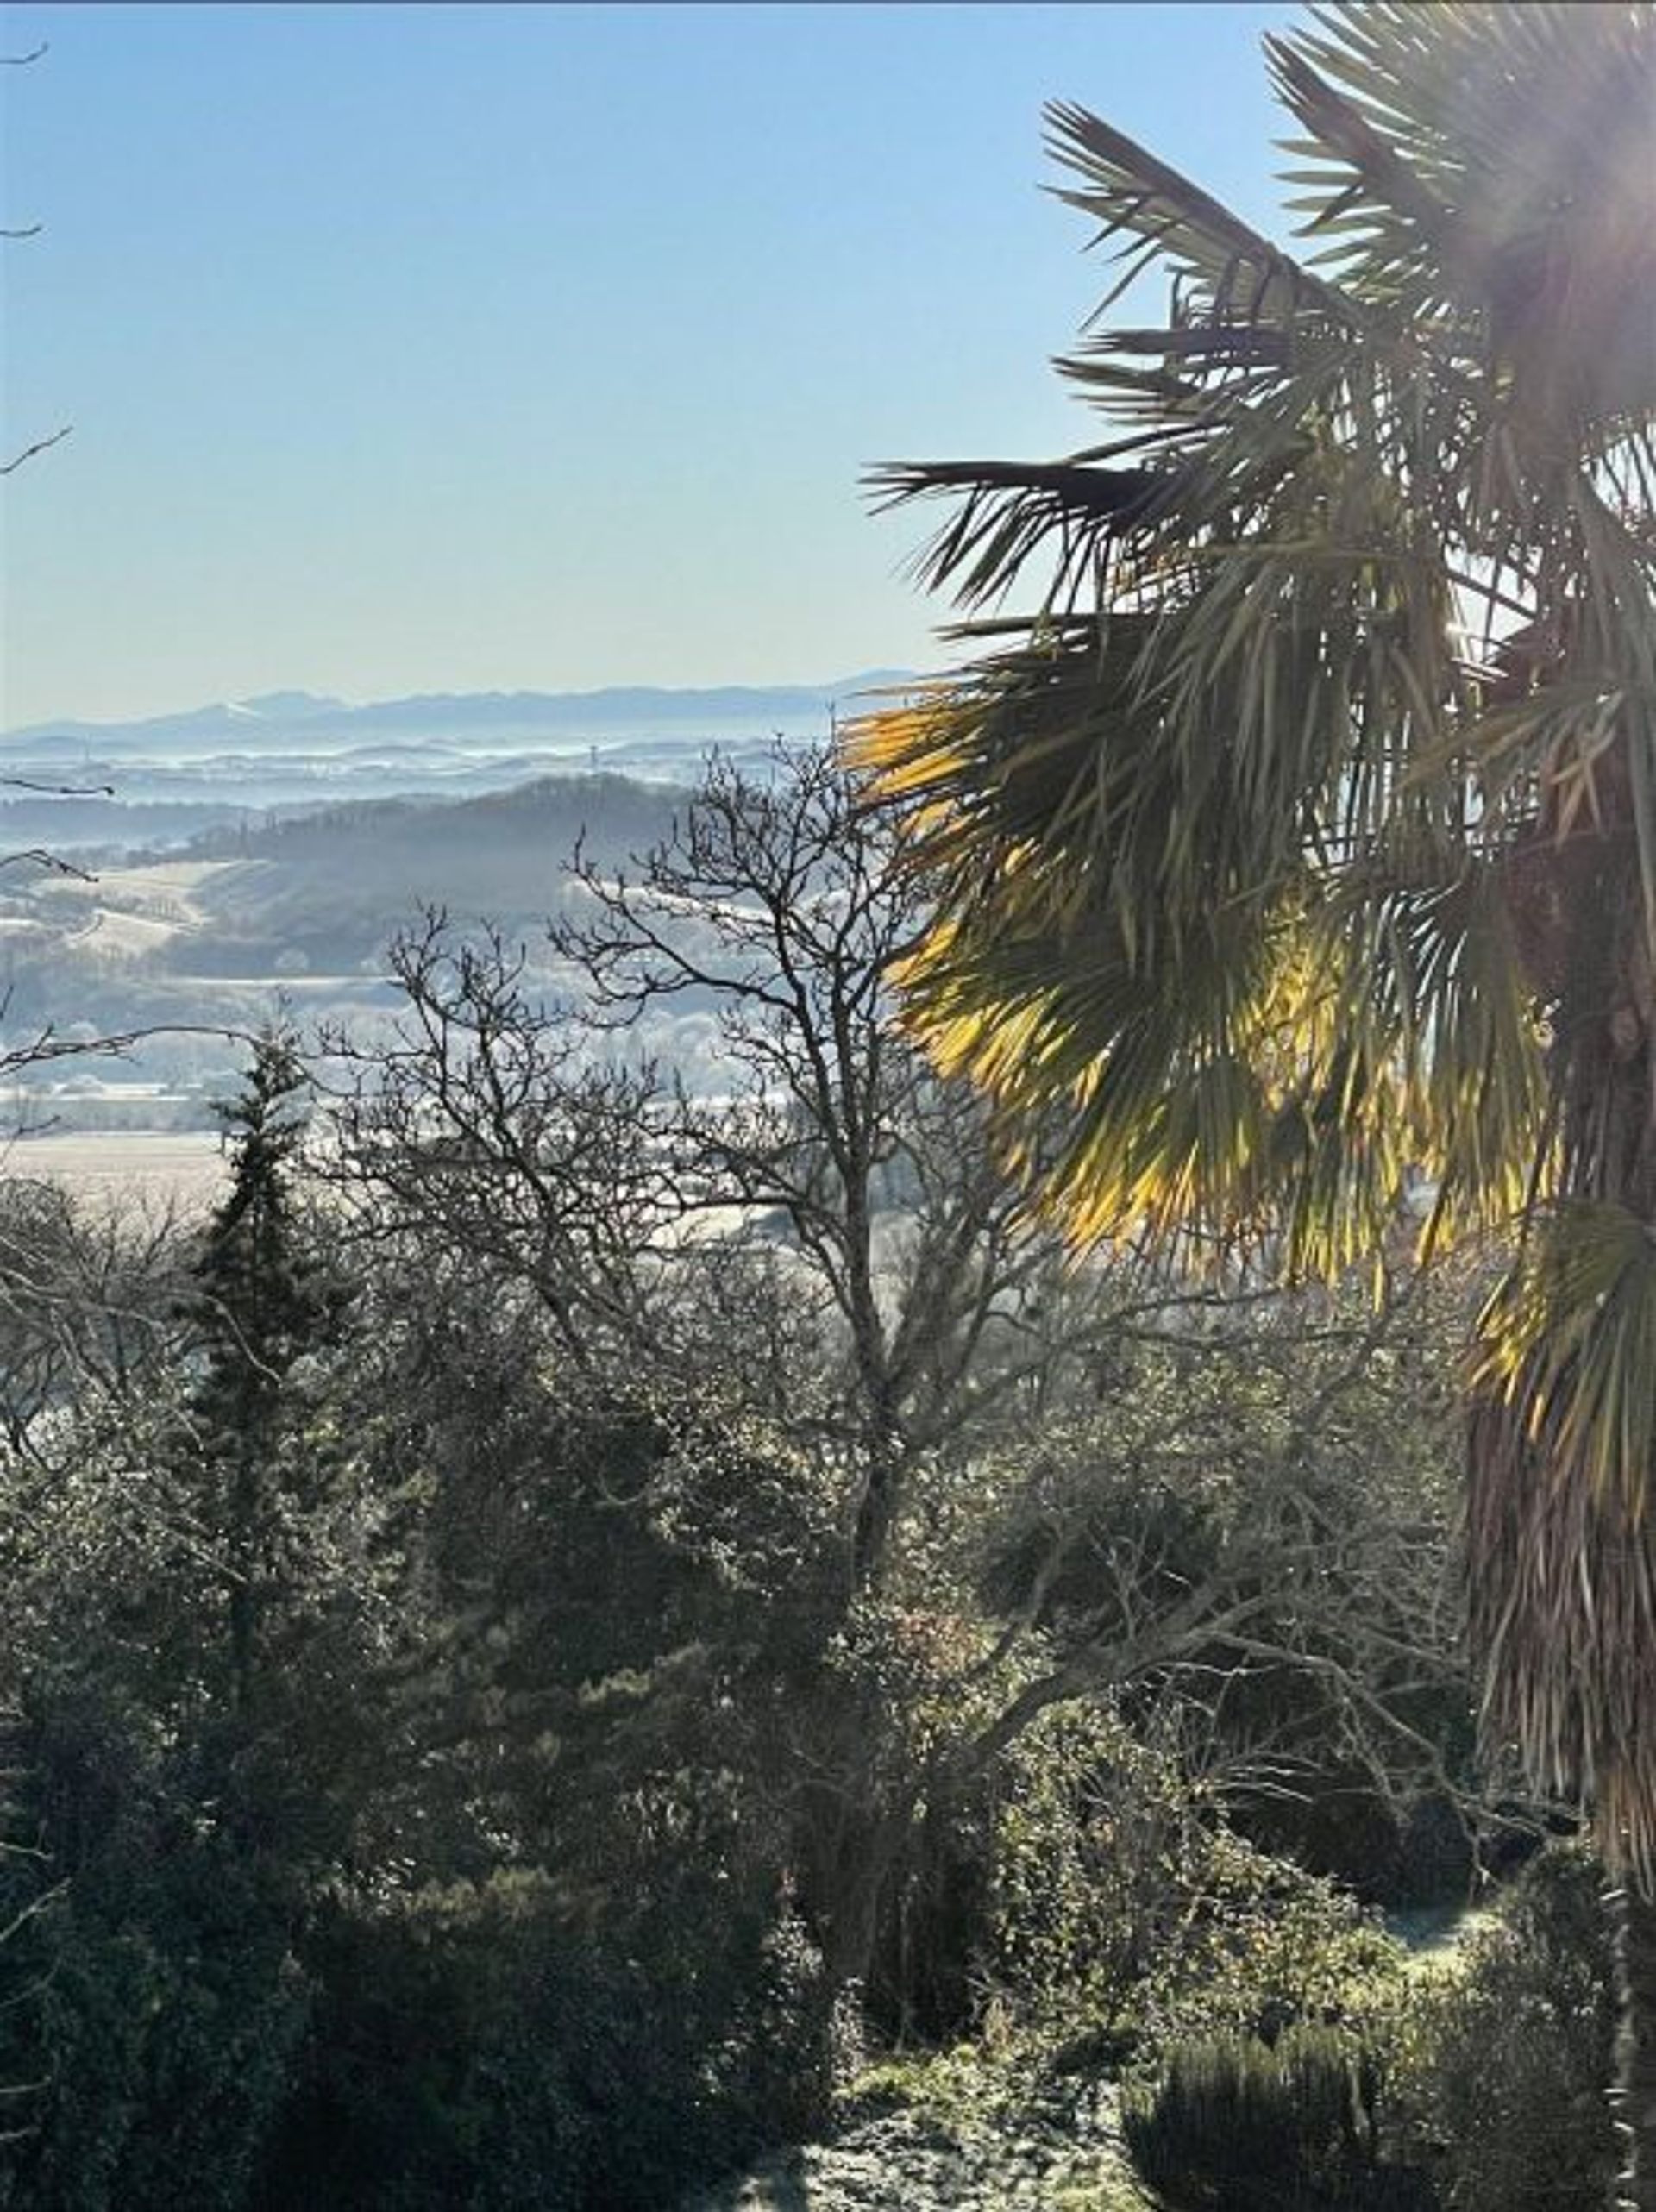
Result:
{"points": [[957, 2086], [477, 2049], [1126, 1908], [1504, 2055], [158, 2004], [1477, 2082], [585, 1979], [1095, 1842], [193, 1661], [1207, 1490], [1266, 1945]]}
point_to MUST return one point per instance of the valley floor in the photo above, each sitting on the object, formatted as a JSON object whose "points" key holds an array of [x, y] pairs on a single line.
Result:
{"points": [[149, 1168]]}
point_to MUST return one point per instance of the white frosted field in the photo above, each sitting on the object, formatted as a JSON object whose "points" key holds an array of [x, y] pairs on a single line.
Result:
{"points": [[123, 935], [148, 1169]]}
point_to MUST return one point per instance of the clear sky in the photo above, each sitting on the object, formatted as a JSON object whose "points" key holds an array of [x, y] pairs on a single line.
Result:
{"points": [[444, 348]]}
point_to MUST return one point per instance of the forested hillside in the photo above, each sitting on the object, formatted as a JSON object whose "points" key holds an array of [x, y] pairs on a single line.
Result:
{"points": [[303, 910], [328, 888]]}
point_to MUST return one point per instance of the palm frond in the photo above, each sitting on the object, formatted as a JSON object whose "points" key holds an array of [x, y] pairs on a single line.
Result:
{"points": [[1491, 175], [1072, 511], [1562, 1565], [1156, 214], [1133, 932], [1570, 1337]]}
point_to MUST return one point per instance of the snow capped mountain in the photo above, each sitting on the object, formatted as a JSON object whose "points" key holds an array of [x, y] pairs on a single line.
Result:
{"points": [[165, 777], [304, 721]]}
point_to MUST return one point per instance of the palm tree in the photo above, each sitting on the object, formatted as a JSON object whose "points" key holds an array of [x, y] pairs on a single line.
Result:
{"points": [[1299, 844]]}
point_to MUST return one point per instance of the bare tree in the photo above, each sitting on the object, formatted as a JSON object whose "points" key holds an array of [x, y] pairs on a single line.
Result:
{"points": [[640, 1210], [779, 907], [86, 1311]]}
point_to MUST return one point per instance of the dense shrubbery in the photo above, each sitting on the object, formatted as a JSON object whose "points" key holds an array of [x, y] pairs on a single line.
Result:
{"points": [[449, 1774], [472, 2047], [1475, 2081], [1127, 1911], [1503, 2062]]}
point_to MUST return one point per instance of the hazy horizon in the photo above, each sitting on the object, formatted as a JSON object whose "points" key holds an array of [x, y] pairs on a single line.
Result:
{"points": [[296, 703], [423, 348]]}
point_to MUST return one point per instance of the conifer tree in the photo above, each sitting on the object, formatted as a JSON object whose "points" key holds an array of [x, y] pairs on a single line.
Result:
{"points": [[263, 1302]]}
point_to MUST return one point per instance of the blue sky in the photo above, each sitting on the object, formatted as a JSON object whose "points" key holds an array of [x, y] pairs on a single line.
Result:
{"points": [[440, 347]]}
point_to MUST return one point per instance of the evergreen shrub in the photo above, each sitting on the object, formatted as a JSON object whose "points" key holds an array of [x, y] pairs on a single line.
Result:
{"points": [[1239, 2125]]}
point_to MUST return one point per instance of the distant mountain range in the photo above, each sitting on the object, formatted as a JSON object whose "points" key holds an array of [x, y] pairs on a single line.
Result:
{"points": [[304, 722], [75, 785]]}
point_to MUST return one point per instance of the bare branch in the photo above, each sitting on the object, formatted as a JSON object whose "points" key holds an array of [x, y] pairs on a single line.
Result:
{"points": [[58, 790], [43, 857], [40, 446]]}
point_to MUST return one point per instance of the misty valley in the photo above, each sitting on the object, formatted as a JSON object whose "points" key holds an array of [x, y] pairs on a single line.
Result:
{"points": [[204, 892]]}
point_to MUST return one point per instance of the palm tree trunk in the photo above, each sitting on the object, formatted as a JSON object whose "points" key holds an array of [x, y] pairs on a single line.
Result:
{"points": [[1635, 2094]]}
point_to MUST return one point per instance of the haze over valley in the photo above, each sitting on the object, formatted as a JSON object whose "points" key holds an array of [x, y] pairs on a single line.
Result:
{"points": [[159, 781], [196, 875]]}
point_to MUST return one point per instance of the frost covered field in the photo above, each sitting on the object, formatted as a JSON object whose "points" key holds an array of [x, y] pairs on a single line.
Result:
{"points": [[149, 1168]]}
